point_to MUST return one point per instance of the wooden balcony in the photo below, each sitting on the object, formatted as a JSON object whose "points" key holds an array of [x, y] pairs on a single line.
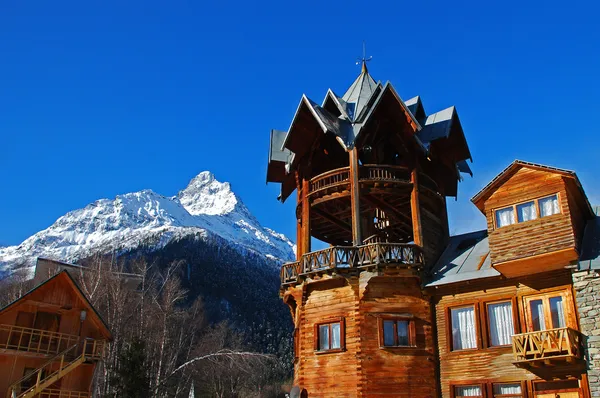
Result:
{"points": [[34, 340], [344, 258], [547, 347], [339, 179]]}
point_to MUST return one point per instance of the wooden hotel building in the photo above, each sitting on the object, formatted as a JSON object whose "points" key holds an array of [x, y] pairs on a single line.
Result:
{"points": [[394, 306]]}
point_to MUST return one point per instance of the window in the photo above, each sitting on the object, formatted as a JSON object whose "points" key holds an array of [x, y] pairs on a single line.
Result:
{"points": [[545, 312], [549, 206], [396, 332], [500, 323], [463, 327], [505, 217], [330, 336], [468, 391], [527, 211], [507, 390]]}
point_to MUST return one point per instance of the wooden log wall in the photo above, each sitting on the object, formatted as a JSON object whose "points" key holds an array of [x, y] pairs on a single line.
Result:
{"points": [[364, 368], [403, 371], [534, 237], [328, 374], [493, 364]]}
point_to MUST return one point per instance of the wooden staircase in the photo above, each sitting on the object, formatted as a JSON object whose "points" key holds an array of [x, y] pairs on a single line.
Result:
{"points": [[57, 367]]}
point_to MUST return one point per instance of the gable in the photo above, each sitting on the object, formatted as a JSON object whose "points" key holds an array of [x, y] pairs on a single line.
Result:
{"points": [[58, 294], [534, 175]]}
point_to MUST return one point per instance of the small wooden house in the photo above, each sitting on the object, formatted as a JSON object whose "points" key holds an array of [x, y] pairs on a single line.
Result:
{"points": [[51, 340], [395, 306]]}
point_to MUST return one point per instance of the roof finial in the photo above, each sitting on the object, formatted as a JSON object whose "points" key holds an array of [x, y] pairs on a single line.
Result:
{"points": [[364, 59]]}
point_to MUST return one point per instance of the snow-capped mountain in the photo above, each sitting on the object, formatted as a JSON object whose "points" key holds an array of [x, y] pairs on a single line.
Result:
{"points": [[206, 208]]}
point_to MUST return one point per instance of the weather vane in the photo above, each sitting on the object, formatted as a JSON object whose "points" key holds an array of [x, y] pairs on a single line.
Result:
{"points": [[364, 58]]}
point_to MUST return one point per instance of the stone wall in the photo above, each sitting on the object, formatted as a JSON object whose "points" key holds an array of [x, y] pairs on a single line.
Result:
{"points": [[587, 294]]}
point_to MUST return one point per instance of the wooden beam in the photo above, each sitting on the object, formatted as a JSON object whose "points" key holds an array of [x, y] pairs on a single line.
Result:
{"points": [[339, 223], [415, 209], [374, 201], [354, 197], [305, 238]]}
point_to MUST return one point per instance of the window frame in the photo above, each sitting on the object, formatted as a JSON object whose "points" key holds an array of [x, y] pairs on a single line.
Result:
{"points": [[486, 319], [482, 388], [316, 337], [412, 334], [536, 202], [450, 340], [545, 297], [487, 387], [491, 384]]}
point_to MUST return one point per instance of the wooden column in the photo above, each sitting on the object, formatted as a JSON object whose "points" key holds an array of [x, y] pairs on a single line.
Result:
{"points": [[415, 208], [355, 197], [299, 249], [305, 238]]}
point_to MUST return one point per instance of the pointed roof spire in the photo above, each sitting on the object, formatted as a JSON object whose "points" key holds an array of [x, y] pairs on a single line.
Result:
{"points": [[359, 93]]}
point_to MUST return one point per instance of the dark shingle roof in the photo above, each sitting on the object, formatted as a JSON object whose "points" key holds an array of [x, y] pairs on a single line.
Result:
{"points": [[465, 258]]}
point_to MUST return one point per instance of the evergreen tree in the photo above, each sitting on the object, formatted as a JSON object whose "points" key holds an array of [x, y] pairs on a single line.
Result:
{"points": [[130, 379]]}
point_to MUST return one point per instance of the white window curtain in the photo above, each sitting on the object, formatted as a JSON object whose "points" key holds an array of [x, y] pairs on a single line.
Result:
{"points": [[467, 391], [549, 206], [501, 323], [558, 312], [507, 389], [505, 217], [324, 337], [463, 328], [526, 212], [335, 335], [537, 315]]}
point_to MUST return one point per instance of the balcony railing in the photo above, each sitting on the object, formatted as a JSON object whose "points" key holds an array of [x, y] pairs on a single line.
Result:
{"points": [[560, 343], [56, 393], [368, 173], [34, 340], [349, 257]]}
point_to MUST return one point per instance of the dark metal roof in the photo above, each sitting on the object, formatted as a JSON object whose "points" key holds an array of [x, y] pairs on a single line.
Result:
{"points": [[590, 247], [467, 257]]}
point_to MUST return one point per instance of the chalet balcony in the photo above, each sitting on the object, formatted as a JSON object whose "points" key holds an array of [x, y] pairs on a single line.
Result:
{"points": [[339, 179], [345, 258], [34, 340], [547, 347]]}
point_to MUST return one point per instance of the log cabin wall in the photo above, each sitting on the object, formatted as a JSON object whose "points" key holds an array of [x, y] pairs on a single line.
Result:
{"points": [[324, 373], [529, 238], [489, 364], [396, 371]]}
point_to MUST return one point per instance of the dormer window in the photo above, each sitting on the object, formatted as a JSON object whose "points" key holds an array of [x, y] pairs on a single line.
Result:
{"points": [[527, 211]]}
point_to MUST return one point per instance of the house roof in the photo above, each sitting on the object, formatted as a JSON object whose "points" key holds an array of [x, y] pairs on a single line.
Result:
{"points": [[350, 116], [465, 258], [359, 94], [505, 174], [590, 247], [68, 279]]}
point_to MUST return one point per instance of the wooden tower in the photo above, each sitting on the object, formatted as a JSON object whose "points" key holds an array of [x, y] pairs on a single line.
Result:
{"points": [[372, 173]]}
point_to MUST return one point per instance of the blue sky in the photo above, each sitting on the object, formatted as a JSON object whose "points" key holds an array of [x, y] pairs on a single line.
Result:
{"points": [[103, 98]]}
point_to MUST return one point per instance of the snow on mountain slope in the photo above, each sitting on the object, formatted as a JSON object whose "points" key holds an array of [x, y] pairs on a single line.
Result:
{"points": [[206, 207]]}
